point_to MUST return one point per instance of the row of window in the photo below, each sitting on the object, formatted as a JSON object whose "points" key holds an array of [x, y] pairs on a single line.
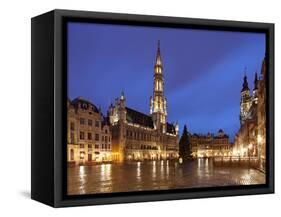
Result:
{"points": [[217, 141], [97, 137], [82, 137], [143, 147], [138, 136], [83, 122], [148, 147], [90, 122], [97, 146], [213, 147]]}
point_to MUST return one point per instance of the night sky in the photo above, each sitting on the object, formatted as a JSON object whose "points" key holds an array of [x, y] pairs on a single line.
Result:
{"points": [[203, 70]]}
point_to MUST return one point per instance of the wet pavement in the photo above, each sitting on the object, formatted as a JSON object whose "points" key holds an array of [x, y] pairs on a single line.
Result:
{"points": [[156, 175]]}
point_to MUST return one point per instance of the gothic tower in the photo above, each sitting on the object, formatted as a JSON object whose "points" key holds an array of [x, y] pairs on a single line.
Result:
{"points": [[245, 102], [158, 102], [255, 91]]}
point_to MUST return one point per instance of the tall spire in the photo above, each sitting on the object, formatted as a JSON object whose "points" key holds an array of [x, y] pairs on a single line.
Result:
{"points": [[122, 95], [246, 101], [256, 81], [245, 83], [263, 68], [158, 102], [158, 56]]}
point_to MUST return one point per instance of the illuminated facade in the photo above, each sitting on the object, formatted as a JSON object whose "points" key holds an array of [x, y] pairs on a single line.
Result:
{"points": [[137, 136], [246, 102], [88, 133], [250, 141], [261, 115], [210, 145]]}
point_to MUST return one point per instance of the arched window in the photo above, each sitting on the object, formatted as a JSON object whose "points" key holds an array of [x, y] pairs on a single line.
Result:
{"points": [[157, 85]]}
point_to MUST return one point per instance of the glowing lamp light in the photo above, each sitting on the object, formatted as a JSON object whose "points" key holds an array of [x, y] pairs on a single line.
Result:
{"points": [[180, 160], [259, 138], [250, 146]]}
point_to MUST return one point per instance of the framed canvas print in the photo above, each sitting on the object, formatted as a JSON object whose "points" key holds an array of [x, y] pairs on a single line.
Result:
{"points": [[133, 108]]}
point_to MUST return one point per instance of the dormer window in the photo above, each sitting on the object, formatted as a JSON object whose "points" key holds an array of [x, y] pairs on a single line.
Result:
{"points": [[84, 106]]}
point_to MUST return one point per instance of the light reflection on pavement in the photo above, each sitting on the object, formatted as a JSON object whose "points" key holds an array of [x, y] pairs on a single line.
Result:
{"points": [[156, 175]]}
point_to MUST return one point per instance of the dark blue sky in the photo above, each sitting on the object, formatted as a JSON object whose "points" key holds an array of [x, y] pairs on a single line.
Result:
{"points": [[203, 70]]}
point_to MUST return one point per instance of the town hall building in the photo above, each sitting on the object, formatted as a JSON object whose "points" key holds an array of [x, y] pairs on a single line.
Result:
{"points": [[138, 136]]}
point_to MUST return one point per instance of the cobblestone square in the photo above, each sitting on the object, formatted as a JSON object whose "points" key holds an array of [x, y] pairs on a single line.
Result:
{"points": [[157, 175]]}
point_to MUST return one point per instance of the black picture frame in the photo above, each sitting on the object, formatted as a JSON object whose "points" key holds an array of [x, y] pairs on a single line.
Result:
{"points": [[49, 96]]}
